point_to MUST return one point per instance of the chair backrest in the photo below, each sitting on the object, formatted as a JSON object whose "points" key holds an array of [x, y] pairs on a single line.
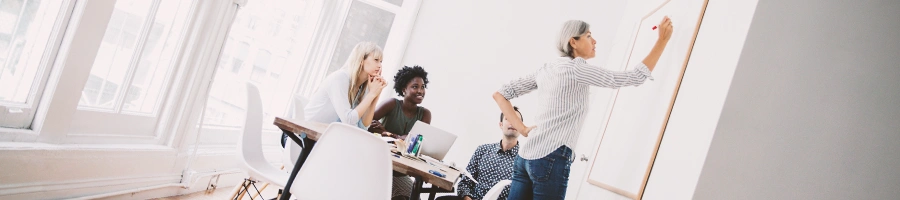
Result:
{"points": [[251, 154], [496, 190], [346, 163]]}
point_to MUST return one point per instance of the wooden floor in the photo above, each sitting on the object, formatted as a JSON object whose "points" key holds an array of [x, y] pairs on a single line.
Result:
{"points": [[223, 194]]}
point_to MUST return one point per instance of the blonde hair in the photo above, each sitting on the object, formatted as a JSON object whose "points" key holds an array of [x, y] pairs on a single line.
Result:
{"points": [[360, 53], [571, 29]]}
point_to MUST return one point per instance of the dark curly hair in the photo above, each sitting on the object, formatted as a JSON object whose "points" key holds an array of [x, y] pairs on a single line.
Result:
{"points": [[407, 74]]}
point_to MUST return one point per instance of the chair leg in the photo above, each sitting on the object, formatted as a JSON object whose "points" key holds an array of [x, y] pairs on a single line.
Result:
{"points": [[263, 187], [258, 191], [238, 190], [247, 189]]}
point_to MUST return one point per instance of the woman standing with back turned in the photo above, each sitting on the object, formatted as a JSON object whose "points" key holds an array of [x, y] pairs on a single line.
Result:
{"points": [[541, 170]]}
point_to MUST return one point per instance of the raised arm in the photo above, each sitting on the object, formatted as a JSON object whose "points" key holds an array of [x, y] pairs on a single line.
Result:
{"points": [[665, 32], [512, 90], [600, 77]]}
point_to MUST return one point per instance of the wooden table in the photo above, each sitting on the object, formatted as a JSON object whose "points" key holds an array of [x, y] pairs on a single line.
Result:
{"points": [[312, 129], [419, 169]]}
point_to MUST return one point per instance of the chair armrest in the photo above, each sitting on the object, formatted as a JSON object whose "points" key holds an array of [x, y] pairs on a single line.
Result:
{"points": [[495, 191]]}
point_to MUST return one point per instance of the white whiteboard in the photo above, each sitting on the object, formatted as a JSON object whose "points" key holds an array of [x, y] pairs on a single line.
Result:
{"points": [[638, 116]]}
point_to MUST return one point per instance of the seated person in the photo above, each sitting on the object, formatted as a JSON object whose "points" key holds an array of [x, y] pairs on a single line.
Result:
{"points": [[348, 94], [399, 116], [491, 163]]}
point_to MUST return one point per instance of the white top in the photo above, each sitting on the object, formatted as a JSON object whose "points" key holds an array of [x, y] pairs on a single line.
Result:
{"points": [[563, 99], [329, 103]]}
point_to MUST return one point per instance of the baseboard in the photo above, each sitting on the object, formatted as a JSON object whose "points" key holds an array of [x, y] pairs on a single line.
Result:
{"points": [[225, 182], [78, 184]]}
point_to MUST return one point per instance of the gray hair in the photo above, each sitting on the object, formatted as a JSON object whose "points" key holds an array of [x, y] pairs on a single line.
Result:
{"points": [[571, 29]]}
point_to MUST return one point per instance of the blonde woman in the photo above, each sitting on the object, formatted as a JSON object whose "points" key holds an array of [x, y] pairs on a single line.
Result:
{"points": [[541, 169], [348, 95]]}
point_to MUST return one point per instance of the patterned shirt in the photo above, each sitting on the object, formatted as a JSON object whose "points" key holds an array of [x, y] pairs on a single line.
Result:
{"points": [[563, 98], [489, 165]]}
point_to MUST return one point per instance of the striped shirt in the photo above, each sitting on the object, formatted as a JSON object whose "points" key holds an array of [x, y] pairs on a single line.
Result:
{"points": [[563, 99]]}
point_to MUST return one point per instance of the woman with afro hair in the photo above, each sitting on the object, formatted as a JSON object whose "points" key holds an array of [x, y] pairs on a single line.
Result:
{"points": [[398, 116]]}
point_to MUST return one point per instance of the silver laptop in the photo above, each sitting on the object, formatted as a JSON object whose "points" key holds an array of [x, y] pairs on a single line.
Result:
{"points": [[436, 142]]}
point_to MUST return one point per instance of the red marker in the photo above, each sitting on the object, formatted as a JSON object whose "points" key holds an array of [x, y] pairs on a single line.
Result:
{"points": [[654, 28]]}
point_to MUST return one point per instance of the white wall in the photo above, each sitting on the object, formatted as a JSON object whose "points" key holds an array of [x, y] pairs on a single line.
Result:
{"points": [[812, 111], [470, 48], [699, 101]]}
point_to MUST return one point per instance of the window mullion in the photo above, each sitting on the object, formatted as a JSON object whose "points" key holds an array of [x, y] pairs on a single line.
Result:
{"points": [[136, 56], [48, 57]]}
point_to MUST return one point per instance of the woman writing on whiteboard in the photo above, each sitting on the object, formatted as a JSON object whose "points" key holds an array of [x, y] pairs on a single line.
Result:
{"points": [[541, 170]]}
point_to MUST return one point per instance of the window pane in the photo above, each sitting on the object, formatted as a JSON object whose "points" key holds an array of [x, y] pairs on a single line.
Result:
{"points": [[265, 35], [260, 66], [157, 57], [115, 54], [25, 28], [364, 23], [277, 66], [240, 55]]}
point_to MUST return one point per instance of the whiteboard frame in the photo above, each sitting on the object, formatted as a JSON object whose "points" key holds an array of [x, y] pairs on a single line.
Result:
{"points": [[652, 160]]}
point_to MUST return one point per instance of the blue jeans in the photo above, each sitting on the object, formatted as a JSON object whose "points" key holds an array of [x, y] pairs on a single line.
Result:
{"points": [[544, 178]]}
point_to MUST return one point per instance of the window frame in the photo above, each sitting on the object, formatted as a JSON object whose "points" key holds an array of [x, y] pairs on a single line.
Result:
{"points": [[90, 125], [28, 110], [56, 120], [394, 49]]}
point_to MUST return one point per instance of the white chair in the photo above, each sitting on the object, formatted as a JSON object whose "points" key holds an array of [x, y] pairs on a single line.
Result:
{"points": [[250, 148], [494, 192], [347, 163]]}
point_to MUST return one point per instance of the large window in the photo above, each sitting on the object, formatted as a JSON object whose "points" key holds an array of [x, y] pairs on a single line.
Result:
{"points": [[286, 47], [106, 72], [29, 35], [135, 58], [134, 71], [133, 68], [266, 40]]}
